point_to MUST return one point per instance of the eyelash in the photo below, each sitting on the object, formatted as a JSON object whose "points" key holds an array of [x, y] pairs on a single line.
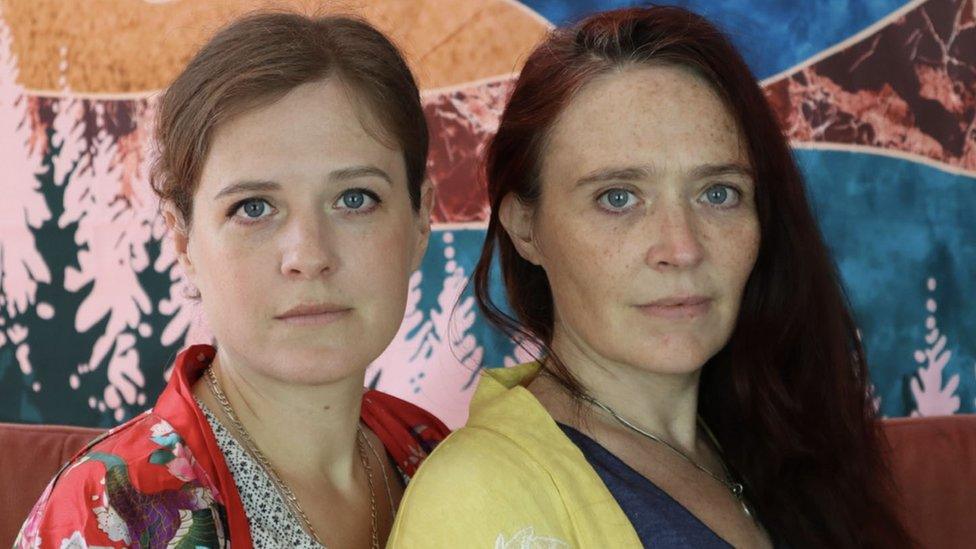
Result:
{"points": [[610, 210], [233, 209], [361, 211], [734, 189]]}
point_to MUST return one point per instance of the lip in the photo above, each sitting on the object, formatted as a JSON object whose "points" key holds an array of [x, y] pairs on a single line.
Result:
{"points": [[677, 307], [313, 314]]}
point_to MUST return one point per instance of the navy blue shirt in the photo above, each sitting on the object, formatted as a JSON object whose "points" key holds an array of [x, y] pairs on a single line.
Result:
{"points": [[659, 520]]}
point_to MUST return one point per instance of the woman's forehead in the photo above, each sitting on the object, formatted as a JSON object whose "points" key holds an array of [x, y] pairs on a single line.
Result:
{"points": [[314, 130], [659, 118]]}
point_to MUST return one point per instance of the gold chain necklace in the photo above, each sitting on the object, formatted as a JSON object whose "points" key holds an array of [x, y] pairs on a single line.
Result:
{"points": [[386, 479], [734, 487], [283, 488]]}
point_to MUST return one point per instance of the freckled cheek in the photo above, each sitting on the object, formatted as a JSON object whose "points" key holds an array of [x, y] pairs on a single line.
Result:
{"points": [[584, 270], [734, 252]]}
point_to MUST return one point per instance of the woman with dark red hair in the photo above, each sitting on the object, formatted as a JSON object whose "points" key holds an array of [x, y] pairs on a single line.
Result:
{"points": [[701, 382]]}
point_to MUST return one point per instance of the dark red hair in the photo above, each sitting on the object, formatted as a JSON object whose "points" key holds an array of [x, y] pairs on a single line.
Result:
{"points": [[787, 397]]}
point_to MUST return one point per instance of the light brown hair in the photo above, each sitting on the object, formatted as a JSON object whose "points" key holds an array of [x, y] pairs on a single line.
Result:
{"points": [[257, 60]]}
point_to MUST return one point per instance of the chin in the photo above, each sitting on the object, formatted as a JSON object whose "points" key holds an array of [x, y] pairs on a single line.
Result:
{"points": [[670, 368], [318, 372], [672, 360], [320, 364]]}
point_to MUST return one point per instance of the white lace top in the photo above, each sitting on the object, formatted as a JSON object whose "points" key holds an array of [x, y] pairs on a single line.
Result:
{"points": [[272, 523]]}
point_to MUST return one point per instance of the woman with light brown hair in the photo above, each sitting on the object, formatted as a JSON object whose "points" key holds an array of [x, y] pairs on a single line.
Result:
{"points": [[292, 154]]}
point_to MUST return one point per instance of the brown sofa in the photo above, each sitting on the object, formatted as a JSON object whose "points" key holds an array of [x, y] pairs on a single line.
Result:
{"points": [[29, 456], [934, 463]]}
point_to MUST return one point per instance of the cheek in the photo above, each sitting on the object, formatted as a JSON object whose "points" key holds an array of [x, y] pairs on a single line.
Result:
{"points": [[735, 250], [228, 267], [586, 262], [380, 261], [377, 277]]}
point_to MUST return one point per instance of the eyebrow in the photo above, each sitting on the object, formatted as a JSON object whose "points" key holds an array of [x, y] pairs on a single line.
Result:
{"points": [[636, 173], [355, 172], [631, 173], [714, 170], [342, 174], [247, 187]]}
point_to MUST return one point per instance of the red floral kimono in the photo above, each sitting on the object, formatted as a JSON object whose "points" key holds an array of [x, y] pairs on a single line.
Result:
{"points": [[160, 479]]}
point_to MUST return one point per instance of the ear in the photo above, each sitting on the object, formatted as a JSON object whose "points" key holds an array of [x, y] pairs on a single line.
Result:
{"points": [[516, 218], [423, 223], [181, 238]]}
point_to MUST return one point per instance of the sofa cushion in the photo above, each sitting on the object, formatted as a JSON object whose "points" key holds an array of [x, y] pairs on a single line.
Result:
{"points": [[934, 464], [933, 461], [29, 456]]}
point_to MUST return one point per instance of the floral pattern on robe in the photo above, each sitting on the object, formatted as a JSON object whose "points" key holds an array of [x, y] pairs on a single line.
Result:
{"points": [[160, 480]]}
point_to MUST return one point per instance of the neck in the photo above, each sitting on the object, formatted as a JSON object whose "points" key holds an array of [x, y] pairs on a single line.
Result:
{"points": [[306, 432], [664, 404]]}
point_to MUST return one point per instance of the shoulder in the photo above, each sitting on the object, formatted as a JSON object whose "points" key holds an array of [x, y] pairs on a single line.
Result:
{"points": [[479, 452], [480, 485], [409, 433], [102, 495]]}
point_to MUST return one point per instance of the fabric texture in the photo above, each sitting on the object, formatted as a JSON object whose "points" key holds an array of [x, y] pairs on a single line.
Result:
{"points": [[934, 465], [271, 522], [161, 480], [509, 479], [653, 513]]}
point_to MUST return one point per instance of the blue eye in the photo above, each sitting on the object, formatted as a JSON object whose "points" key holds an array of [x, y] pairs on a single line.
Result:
{"points": [[616, 199], [717, 195], [359, 200], [253, 208], [354, 201], [721, 195]]}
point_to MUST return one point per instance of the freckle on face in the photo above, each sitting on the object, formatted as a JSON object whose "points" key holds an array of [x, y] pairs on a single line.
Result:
{"points": [[670, 119]]}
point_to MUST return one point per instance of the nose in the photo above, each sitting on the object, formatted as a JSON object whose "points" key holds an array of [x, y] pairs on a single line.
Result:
{"points": [[677, 242], [306, 249]]}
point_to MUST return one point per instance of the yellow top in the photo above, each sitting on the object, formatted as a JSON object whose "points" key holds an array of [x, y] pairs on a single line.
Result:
{"points": [[509, 479]]}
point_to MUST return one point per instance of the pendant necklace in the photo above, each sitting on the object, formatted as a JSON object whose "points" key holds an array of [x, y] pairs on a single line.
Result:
{"points": [[736, 488]]}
